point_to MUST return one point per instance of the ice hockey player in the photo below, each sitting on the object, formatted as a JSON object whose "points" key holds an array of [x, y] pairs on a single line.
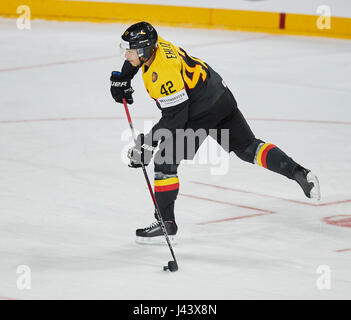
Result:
{"points": [[190, 95]]}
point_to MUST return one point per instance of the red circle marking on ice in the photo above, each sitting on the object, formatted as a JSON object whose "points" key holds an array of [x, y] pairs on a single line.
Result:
{"points": [[342, 220]]}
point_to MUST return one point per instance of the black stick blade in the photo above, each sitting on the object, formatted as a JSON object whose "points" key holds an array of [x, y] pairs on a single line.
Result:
{"points": [[172, 266]]}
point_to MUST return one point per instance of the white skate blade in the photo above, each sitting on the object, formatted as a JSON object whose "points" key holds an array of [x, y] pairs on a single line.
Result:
{"points": [[161, 240], [315, 192]]}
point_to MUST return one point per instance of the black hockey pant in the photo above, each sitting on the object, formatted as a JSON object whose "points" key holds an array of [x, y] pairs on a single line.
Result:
{"points": [[239, 139]]}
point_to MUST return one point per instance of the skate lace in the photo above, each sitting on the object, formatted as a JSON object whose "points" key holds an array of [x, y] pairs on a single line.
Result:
{"points": [[153, 225]]}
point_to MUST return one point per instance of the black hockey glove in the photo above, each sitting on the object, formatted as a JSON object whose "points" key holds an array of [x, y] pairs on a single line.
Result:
{"points": [[141, 153], [121, 88]]}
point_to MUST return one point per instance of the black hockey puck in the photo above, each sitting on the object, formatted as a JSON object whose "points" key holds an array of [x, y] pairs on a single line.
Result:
{"points": [[172, 266]]}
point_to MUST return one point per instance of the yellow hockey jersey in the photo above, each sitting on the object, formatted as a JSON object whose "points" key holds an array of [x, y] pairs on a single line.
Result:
{"points": [[174, 78]]}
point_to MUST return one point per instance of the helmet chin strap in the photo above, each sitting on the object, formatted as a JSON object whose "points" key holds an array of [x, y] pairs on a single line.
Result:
{"points": [[142, 62]]}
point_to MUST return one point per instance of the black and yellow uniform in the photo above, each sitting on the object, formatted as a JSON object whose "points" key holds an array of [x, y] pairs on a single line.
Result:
{"points": [[183, 87], [191, 95], [174, 78]]}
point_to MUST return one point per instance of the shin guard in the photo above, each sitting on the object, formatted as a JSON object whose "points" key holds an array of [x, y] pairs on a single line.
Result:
{"points": [[272, 158], [166, 192]]}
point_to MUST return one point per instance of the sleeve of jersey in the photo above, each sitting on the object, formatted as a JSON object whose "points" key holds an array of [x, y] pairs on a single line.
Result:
{"points": [[128, 70]]}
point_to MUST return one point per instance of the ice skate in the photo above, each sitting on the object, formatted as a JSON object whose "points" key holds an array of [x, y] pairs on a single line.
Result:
{"points": [[153, 234], [308, 182]]}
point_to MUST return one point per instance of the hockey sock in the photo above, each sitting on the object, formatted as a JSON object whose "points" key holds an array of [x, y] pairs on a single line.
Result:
{"points": [[166, 192], [272, 158]]}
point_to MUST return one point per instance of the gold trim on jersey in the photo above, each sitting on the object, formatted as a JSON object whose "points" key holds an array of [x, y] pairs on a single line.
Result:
{"points": [[198, 70]]}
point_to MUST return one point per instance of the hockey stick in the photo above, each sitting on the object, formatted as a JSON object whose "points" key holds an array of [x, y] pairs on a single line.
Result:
{"points": [[172, 265]]}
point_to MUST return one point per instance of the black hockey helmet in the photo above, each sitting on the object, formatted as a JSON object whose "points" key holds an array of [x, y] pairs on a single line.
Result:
{"points": [[141, 36]]}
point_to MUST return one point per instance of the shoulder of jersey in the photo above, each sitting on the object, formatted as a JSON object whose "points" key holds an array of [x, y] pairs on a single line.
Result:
{"points": [[167, 67], [165, 83], [168, 52]]}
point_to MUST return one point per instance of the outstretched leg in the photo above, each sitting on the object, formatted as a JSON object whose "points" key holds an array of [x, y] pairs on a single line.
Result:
{"points": [[269, 156], [247, 147]]}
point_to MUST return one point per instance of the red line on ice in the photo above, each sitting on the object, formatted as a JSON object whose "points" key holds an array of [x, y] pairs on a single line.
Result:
{"points": [[270, 196], [262, 211], [343, 250], [332, 203], [341, 220], [205, 44], [52, 64], [7, 298], [151, 118], [72, 119], [301, 120], [235, 218], [226, 203]]}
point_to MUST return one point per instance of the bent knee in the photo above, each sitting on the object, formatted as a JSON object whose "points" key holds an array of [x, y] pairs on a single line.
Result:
{"points": [[248, 154], [167, 169]]}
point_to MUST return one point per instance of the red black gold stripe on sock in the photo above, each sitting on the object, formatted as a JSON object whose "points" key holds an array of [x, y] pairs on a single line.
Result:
{"points": [[167, 184], [262, 154]]}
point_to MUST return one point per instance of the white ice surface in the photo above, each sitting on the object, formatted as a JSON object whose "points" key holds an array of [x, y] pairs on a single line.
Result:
{"points": [[69, 206]]}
